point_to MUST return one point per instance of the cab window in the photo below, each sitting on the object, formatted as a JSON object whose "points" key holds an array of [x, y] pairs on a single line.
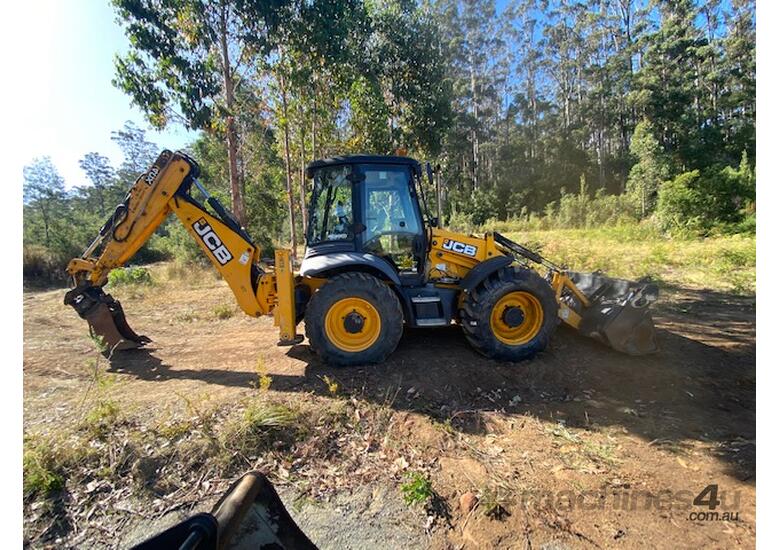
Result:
{"points": [[331, 206]]}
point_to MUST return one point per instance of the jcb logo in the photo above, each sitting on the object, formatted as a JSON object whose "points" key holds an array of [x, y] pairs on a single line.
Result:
{"points": [[212, 241], [149, 179], [460, 248]]}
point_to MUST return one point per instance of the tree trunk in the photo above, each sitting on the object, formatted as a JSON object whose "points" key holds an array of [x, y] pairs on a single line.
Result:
{"points": [[438, 197], [236, 196], [475, 114], [302, 137], [287, 165], [314, 125], [45, 220]]}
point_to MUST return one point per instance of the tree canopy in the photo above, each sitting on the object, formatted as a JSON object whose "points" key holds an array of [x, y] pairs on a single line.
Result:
{"points": [[528, 108]]}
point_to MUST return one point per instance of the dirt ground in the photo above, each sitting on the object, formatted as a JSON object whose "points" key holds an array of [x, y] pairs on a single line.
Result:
{"points": [[581, 447]]}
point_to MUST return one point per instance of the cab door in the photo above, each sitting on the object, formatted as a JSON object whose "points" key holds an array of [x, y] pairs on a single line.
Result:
{"points": [[391, 215]]}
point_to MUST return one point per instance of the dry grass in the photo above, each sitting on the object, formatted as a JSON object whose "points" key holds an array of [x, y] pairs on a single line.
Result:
{"points": [[726, 263], [317, 442], [224, 311], [584, 446]]}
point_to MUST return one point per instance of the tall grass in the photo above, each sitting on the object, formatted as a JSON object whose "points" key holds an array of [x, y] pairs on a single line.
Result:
{"points": [[723, 263]]}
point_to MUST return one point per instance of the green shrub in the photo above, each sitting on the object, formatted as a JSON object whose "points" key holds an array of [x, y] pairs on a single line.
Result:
{"points": [[707, 200], [179, 245], [130, 276], [677, 208], [224, 311], [153, 251], [418, 490], [41, 471], [460, 221], [572, 211], [42, 267], [102, 418]]}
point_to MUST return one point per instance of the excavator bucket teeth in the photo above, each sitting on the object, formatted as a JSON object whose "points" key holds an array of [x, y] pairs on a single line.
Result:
{"points": [[619, 315], [105, 317]]}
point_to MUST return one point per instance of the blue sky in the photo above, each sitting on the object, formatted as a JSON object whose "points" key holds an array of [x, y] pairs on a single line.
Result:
{"points": [[64, 104]]}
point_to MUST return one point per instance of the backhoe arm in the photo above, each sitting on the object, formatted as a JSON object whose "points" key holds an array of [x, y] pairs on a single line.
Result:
{"points": [[162, 190]]}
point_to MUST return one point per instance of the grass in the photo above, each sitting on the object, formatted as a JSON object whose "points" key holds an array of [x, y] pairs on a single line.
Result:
{"points": [[261, 427], [174, 429], [418, 489], [264, 417], [332, 385], [723, 263], [598, 452], [101, 419], [108, 454], [264, 381], [41, 468], [224, 311]]}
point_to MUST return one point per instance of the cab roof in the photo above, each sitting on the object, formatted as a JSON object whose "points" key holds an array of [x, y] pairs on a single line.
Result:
{"points": [[360, 159]]}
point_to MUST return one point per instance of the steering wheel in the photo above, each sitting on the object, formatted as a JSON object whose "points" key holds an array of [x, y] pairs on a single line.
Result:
{"points": [[383, 233]]}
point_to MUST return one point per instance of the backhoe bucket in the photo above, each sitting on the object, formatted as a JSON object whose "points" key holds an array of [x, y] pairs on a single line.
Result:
{"points": [[105, 317], [619, 315]]}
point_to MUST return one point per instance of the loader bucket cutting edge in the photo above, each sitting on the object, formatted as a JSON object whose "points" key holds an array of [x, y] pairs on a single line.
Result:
{"points": [[105, 317], [619, 315]]}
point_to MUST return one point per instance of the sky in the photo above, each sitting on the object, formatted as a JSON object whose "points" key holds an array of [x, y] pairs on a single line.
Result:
{"points": [[62, 101]]}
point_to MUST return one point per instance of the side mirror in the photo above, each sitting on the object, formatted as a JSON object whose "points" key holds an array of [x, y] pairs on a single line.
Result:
{"points": [[434, 221], [429, 172]]}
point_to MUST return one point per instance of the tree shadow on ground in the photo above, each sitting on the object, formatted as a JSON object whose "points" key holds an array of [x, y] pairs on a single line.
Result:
{"points": [[700, 386]]}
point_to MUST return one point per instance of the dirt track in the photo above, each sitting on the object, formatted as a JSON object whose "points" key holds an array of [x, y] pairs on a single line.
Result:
{"points": [[578, 422]]}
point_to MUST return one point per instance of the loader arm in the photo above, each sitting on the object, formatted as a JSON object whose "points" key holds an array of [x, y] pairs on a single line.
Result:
{"points": [[164, 190]]}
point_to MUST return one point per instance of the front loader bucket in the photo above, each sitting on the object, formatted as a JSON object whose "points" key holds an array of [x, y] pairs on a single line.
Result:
{"points": [[619, 315], [105, 317]]}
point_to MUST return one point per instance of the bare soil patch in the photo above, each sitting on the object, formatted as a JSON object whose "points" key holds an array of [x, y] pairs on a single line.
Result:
{"points": [[580, 447]]}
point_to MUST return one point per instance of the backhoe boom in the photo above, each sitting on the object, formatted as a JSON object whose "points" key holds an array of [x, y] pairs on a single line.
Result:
{"points": [[162, 190]]}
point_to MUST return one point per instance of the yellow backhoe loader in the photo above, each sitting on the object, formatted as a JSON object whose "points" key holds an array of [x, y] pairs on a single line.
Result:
{"points": [[374, 262]]}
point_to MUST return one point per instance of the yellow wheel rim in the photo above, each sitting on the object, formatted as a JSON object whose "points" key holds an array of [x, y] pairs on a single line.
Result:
{"points": [[352, 324], [511, 328]]}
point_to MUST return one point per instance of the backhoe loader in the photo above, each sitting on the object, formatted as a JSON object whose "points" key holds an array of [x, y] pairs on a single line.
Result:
{"points": [[374, 262]]}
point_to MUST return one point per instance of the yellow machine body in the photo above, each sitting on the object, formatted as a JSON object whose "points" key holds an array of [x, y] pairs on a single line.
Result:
{"points": [[353, 324], [453, 255]]}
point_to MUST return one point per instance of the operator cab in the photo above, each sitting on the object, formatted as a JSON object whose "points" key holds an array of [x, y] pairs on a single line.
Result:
{"points": [[368, 205]]}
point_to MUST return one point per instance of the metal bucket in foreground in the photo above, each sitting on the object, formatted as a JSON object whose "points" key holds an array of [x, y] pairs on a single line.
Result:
{"points": [[249, 516], [619, 314], [105, 317]]}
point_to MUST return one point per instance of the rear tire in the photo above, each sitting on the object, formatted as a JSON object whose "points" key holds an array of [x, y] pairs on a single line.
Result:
{"points": [[354, 319], [511, 315]]}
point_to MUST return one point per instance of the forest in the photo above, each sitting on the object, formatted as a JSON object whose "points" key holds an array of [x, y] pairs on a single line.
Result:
{"points": [[542, 114]]}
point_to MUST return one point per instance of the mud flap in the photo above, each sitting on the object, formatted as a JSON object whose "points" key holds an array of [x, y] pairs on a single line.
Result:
{"points": [[619, 315], [105, 317]]}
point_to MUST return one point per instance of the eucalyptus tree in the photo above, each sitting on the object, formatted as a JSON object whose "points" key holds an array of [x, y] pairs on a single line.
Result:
{"points": [[43, 193], [186, 60], [102, 176]]}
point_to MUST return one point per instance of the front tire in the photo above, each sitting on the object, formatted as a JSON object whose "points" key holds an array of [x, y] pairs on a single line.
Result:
{"points": [[354, 319], [511, 315]]}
